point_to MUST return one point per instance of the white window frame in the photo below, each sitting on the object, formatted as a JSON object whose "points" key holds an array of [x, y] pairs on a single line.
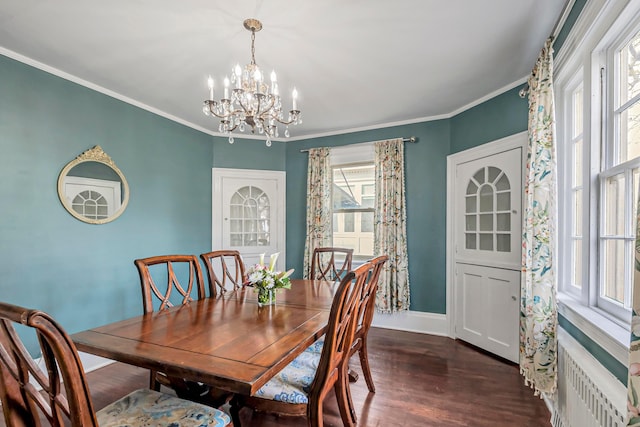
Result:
{"points": [[579, 61], [566, 174], [350, 156]]}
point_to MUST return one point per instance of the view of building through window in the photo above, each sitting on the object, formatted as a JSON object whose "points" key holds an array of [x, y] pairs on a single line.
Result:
{"points": [[353, 208]]}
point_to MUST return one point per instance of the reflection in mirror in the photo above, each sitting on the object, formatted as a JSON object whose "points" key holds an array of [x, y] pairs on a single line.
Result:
{"points": [[92, 188]]}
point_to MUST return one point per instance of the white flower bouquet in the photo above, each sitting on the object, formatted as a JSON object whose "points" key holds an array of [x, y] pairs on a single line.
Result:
{"points": [[266, 280]]}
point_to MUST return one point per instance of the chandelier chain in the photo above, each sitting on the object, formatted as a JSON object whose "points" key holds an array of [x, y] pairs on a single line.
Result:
{"points": [[253, 47]]}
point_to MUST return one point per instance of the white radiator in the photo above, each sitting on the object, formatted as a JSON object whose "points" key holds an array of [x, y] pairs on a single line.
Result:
{"points": [[588, 394]]}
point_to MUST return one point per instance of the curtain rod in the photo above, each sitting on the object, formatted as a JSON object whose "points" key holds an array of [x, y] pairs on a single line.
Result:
{"points": [[410, 139]]}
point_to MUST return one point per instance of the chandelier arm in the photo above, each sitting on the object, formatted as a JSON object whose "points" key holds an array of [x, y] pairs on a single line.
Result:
{"points": [[288, 122], [266, 110], [225, 116]]}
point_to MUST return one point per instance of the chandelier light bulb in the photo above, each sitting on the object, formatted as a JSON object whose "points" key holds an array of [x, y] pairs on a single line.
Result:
{"points": [[226, 88], [251, 103], [210, 84], [294, 95]]}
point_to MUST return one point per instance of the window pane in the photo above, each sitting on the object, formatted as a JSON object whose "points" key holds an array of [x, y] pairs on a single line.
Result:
{"points": [[577, 113], [486, 242], [577, 163], [470, 204], [630, 69], [577, 213], [470, 222], [486, 198], [493, 173], [503, 201], [470, 240], [630, 133], [349, 222], [576, 263], [368, 202], [366, 222], [354, 188], [503, 222], [368, 189], [472, 188], [613, 277], [613, 208], [503, 242], [486, 222], [503, 183]]}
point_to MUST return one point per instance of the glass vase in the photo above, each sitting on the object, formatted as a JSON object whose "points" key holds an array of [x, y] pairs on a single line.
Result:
{"points": [[266, 297]]}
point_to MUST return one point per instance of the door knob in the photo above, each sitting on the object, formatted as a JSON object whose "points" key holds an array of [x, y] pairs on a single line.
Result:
{"points": [[513, 297]]}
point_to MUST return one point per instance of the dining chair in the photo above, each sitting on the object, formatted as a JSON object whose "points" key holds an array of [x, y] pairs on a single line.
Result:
{"points": [[182, 273], [225, 269], [59, 395], [330, 263], [364, 318], [301, 387]]}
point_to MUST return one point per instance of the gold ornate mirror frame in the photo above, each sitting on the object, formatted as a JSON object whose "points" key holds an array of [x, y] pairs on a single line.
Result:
{"points": [[97, 155]]}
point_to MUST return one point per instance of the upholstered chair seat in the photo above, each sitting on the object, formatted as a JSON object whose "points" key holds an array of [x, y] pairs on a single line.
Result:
{"points": [[59, 396], [316, 347], [292, 384], [146, 407]]}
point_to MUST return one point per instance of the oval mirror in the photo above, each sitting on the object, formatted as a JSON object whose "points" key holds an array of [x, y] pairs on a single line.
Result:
{"points": [[92, 188]]}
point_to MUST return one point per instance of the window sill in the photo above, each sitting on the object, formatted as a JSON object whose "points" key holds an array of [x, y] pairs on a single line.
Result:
{"points": [[609, 335]]}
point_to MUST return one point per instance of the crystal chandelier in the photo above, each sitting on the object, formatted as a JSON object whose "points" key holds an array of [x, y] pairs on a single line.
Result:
{"points": [[249, 101]]}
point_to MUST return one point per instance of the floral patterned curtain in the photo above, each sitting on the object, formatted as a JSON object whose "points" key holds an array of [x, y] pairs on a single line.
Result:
{"points": [[633, 382], [319, 227], [538, 314], [390, 228]]}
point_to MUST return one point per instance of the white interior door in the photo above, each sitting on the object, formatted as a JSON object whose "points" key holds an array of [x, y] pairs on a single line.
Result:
{"points": [[487, 223], [488, 308], [249, 213]]}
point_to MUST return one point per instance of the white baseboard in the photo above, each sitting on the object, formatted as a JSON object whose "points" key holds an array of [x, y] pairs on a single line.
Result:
{"points": [[90, 363], [413, 321]]}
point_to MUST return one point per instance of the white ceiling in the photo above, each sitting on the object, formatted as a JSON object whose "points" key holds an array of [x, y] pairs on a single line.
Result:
{"points": [[356, 64]]}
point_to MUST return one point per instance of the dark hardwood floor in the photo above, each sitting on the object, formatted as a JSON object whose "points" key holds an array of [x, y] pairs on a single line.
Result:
{"points": [[421, 380]]}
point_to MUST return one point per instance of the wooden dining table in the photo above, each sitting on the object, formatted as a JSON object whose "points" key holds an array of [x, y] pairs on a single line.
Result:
{"points": [[227, 341]]}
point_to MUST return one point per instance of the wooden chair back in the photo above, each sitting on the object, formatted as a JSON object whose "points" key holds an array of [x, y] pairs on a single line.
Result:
{"points": [[64, 398], [333, 364], [150, 289], [364, 319], [368, 299], [225, 269], [327, 265]]}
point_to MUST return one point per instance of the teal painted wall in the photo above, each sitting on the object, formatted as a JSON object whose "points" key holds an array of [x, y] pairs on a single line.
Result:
{"points": [[80, 273], [83, 274], [426, 186], [501, 116], [425, 182], [248, 154]]}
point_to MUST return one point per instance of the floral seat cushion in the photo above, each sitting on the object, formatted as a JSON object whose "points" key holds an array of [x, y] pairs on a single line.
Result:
{"points": [[151, 408], [291, 385], [316, 347]]}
